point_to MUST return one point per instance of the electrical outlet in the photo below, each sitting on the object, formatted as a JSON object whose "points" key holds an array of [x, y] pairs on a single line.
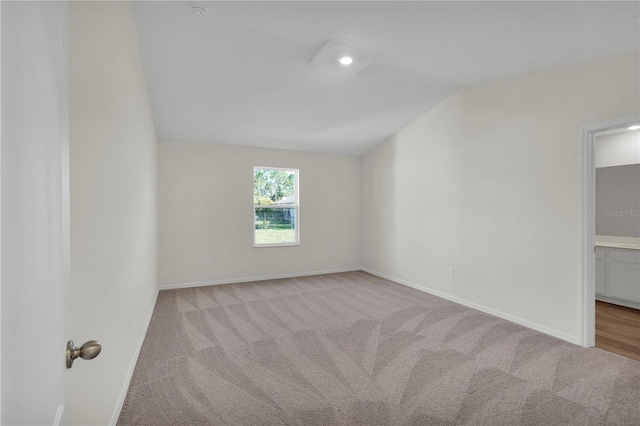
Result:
{"points": [[207, 261], [451, 271], [334, 252]]}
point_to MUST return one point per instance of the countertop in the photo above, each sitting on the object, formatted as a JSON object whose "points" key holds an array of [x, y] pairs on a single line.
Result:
{"points": [[609, 241]]}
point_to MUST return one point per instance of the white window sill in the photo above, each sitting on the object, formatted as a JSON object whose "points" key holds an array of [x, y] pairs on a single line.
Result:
{"points": [[275, 245]]}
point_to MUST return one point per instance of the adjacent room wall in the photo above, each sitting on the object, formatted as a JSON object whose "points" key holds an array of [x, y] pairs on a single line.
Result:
{"points": [[618, 149], [489, 182], [205, 195], [618, 184], [618, 201], [113, 203]]}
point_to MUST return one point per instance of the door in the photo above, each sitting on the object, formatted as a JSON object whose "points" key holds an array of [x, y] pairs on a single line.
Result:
{"points": [[34, 212]]}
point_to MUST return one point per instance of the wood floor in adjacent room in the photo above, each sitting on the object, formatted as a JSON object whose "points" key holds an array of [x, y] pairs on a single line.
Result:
{"points": [[618, 329]]}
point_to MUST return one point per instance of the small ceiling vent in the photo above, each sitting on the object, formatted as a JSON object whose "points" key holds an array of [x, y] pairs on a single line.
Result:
{"points": [[199, 10]]}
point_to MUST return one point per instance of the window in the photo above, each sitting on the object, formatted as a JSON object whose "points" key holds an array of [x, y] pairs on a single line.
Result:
{"points": [[275, 205]]}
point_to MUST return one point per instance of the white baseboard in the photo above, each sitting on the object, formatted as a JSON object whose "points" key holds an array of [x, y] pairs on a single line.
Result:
{"points": [[132, 366], [261, 278], [529, 324], [614, 301]]}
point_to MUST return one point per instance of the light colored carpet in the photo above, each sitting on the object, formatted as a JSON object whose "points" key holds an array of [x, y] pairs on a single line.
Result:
{"points": [[354, 349]]}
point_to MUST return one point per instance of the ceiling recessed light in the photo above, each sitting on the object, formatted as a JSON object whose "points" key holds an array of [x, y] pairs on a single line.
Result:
{"points": [[346, 60], [635, 127]]}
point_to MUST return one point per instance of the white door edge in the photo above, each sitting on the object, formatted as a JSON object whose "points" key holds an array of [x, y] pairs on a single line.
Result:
{"points": [[0, 205]]}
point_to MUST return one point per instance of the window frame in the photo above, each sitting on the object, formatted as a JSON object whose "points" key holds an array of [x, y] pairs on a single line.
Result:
{"points": [[295, 206]]}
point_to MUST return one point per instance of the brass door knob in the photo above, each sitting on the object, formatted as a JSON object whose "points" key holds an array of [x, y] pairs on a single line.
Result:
{"points": [[89, 350]]}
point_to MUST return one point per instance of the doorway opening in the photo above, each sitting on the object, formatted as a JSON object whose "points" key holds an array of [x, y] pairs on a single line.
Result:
{"points": [[610, 269]]}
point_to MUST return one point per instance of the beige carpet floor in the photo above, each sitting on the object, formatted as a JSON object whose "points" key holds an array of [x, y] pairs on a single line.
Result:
{"points": [[354, 349]]}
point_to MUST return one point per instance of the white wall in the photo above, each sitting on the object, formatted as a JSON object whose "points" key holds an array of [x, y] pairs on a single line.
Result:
{"points": [[205, 196], [618, 149], [35, 210], [113, 202], [489, 182]]}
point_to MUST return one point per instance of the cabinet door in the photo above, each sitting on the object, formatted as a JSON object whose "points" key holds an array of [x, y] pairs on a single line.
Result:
{"points": [[623, 275], [601, 288]]}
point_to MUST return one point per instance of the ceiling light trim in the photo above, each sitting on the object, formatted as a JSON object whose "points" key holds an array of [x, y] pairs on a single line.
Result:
{"points": [[328, 58]]}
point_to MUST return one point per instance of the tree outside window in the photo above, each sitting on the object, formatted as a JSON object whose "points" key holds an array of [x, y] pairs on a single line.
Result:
{"points": [[275, 201]]}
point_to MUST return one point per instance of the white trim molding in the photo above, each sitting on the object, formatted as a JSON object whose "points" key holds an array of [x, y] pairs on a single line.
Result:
{"points": [[620, 302], [529, 324], [132, 366], [587, 285], [0, 203], [261, 278]]}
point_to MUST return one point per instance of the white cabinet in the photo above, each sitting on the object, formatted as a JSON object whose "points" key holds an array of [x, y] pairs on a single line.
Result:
{"points": [[623, 274], [601, 289], [618, 275], [600, 271]]}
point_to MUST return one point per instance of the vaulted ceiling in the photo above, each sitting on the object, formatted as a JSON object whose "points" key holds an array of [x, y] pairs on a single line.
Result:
{"points": [[266, 74]]}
